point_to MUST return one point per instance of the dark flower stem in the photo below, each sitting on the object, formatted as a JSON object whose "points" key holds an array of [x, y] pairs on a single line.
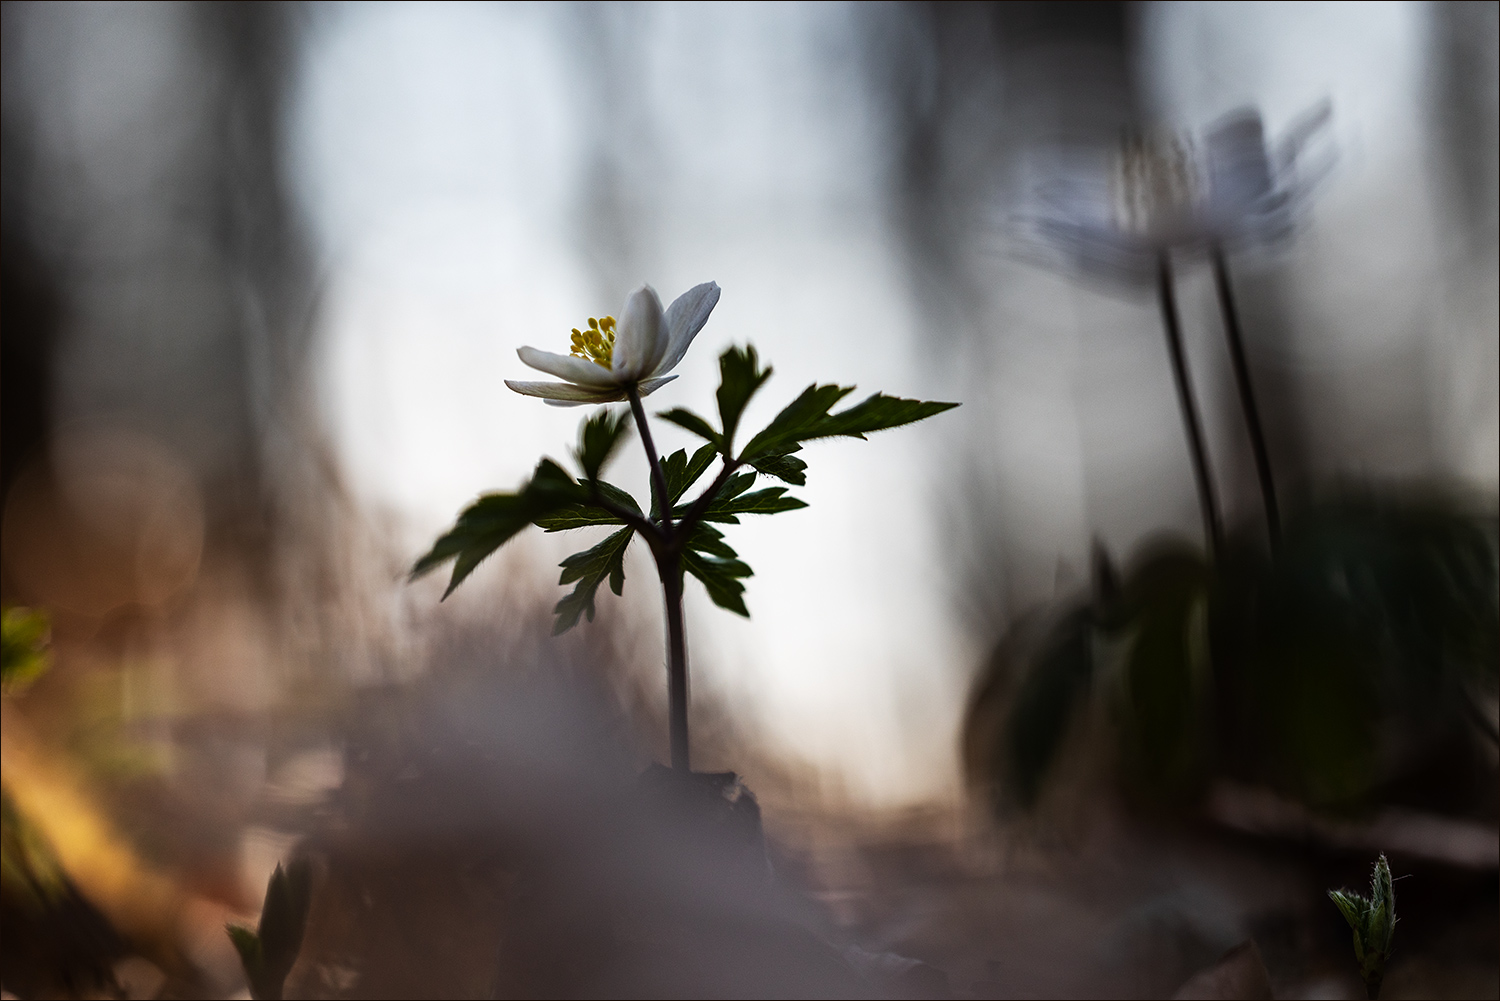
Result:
{"points": [[665, 547], [1247, 392], [1190, 420]]}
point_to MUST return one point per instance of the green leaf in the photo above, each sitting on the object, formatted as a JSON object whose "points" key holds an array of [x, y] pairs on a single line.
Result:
{"points": [[247, 944], [720, 576], [590, 568], [708, 539], [716, 511], [787, 468], [681, 472], [283, 919], [690, 421], [767, 501], [795, 422], [807, 418], [740, 375], [879, 413], [696, 465], [1350, 905], [597, 438], [269, 952], [585, 515], [494, 519]]}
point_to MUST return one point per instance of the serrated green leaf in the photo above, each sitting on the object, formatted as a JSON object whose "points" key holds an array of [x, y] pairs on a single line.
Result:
{"points": [[795, 422], [708, 539], [878, 413], [494, 519], [589, 568], [690, 421], [598, 436], [697, 464], [767, 501], [681, 472], [719, 509], [720, 577], [807, 418], [740, 375], [787, 468]]}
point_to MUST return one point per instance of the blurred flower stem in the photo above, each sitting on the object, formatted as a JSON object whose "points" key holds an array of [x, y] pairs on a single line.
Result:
{"points": [[1192, 423], [669, 566], [1248, 406]]}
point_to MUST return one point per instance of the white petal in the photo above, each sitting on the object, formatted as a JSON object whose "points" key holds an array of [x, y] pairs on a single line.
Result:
{"points": [[685, 317], [567, 391], [570, 367], [649, 386], [640, 339]]}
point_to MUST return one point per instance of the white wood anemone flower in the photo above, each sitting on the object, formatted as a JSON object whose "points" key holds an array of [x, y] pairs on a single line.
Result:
{"points": [[614, 357], [1160, 192]]}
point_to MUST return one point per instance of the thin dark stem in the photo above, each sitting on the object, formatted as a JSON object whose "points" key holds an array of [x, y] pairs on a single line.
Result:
{"points": [[1247, 392], [1196, 449], [691, 516], [658, 480], [669, 567], [669, 564]]}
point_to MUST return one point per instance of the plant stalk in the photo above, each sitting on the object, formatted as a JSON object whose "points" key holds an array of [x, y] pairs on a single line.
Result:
{"points": [[669, 567], [1248, 405], [1201, 475], [658, 480]]}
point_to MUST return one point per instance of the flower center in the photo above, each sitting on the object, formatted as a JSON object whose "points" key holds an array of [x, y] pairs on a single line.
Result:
{"points": [[1155, 185], [596, 344]]}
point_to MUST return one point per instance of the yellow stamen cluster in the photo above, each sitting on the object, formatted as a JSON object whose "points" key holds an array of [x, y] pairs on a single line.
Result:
{"points": [[596, 344]]}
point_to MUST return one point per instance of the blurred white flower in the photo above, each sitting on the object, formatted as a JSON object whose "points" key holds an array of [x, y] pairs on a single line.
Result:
{"points": [[613, 357], [1161, 192]]}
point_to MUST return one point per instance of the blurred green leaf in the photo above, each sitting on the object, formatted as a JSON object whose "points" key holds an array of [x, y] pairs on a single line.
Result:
{"points": [[494, 519], [30, 874], [24, 637], [1045, 704], [690, 421], [585, 515], [598, 437], [590, 568], [740, 375]]}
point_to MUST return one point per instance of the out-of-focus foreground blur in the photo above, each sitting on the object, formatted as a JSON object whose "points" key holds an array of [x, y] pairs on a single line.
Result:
{"points": [[1016, 722]]}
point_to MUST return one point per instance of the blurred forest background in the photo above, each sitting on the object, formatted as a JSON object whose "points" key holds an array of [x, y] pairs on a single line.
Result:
{"points": [[266, 265]]}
